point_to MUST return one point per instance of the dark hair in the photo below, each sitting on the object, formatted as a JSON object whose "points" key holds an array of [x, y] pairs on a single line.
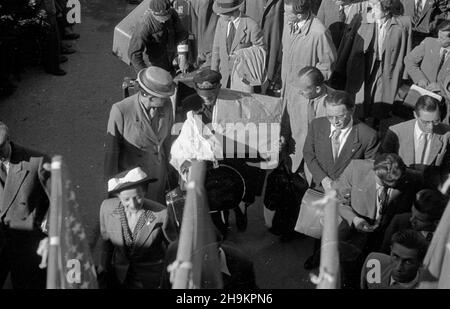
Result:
{"points": [[426, 103], [430, 202], [389, 167], [313, 73], [444, 25], [299, 6], [412, 240], [338, 97], [391, 7]]}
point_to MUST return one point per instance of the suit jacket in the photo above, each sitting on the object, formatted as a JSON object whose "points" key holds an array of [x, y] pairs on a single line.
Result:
{"points": [[329, 15], [386, 268], [294, 123], [362, 143], [24, 200], [269, 14], [313, 42], [143, 265], [132, 142], [248, 34], [400, 139], [430, 11], [358, 57], [423, 63], [203, 27], [359, 180]]}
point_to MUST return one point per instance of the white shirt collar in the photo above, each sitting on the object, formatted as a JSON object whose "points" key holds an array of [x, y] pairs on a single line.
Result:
{"points": [[407, 285], [344, 131], [418, 131]]}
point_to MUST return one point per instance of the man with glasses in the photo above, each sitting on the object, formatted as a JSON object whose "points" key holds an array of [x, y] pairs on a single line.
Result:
{"points": [[423, 142], [139, 129]]}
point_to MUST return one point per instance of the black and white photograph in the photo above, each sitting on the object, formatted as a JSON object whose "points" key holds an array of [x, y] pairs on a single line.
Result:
{"points": [[243, 146]]}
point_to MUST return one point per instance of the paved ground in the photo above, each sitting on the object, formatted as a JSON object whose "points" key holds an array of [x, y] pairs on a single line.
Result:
{"points": [[68, 116]]}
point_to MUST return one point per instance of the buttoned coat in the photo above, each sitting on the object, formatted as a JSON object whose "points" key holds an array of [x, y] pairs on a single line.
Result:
{"points": [[247, 34], [358, 56], [143, 263], [269, 16], [422, 63], [132, 142], [361, 143], [399, 139]]}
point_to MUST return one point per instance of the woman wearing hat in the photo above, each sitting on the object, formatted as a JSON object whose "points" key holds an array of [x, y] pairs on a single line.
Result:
{"points": [[135, 232], [234, 31]]}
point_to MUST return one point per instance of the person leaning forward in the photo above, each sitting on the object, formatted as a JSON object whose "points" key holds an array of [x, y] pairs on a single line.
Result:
{"points": [[158, 33], [139, 129]]}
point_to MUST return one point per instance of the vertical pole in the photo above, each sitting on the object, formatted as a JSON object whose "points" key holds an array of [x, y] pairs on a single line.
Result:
{"points": [[53, 280], [329, 257]]}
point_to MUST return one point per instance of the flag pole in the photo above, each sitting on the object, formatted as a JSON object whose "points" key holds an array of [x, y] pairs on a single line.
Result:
{"points": [[54, 224]]}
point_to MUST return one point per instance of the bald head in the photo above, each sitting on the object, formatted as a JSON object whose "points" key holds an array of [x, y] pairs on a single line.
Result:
{"points": [[310, 82]]}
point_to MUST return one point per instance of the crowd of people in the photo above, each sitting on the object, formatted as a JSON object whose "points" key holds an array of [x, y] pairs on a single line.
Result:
{"points": [[33, 32], [345, 72]]}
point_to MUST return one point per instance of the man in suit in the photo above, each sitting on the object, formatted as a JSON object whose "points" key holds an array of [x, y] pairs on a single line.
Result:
{"points": [[269, 16], [135, 233], [302, 107], [333, 141], [369, 58], [428, 64], [305, 35], [139, 130], [401, 269], [158, 34], [370, 194], [234, 31], [24, 202], [424, 16], [337, 14], [422, 143], [424, 217]]}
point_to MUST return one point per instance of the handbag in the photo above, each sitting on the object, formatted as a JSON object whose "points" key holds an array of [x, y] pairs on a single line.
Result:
{"points": [[310, 219]]}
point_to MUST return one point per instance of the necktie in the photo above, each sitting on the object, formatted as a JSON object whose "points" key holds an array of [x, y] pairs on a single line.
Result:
{"points": [[336, 143], [342, 16], [382, 198], [422, 148], [154, 120], [417, 11], [230, 37], [3, 173], [311, 111], [444, 54]]}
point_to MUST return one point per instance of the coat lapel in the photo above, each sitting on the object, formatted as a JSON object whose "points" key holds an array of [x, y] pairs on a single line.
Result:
{"points": [[145, 126], [146, 230], [426, 8], [435, 147], [409, 151], [16, 176], [370, 194], [325, 136], [241, 32], [115, 226]]}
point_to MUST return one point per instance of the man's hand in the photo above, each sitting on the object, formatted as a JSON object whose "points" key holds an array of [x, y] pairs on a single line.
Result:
{"points": [[423, 83], [326, 184], [362, 225], [434, 87], [43, 252]]}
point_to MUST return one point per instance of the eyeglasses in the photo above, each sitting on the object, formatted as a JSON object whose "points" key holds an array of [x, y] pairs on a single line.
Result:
{"points": [[429, 123], [336, 118]]}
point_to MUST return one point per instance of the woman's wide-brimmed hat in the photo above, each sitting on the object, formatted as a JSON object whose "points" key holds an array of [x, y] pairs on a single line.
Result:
{"points": [[128, 179], [226, 6]]}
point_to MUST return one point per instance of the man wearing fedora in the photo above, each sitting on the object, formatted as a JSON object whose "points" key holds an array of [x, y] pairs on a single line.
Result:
{"points": [[158, 34], [139, 129], [234, 31], [135, 234]]}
